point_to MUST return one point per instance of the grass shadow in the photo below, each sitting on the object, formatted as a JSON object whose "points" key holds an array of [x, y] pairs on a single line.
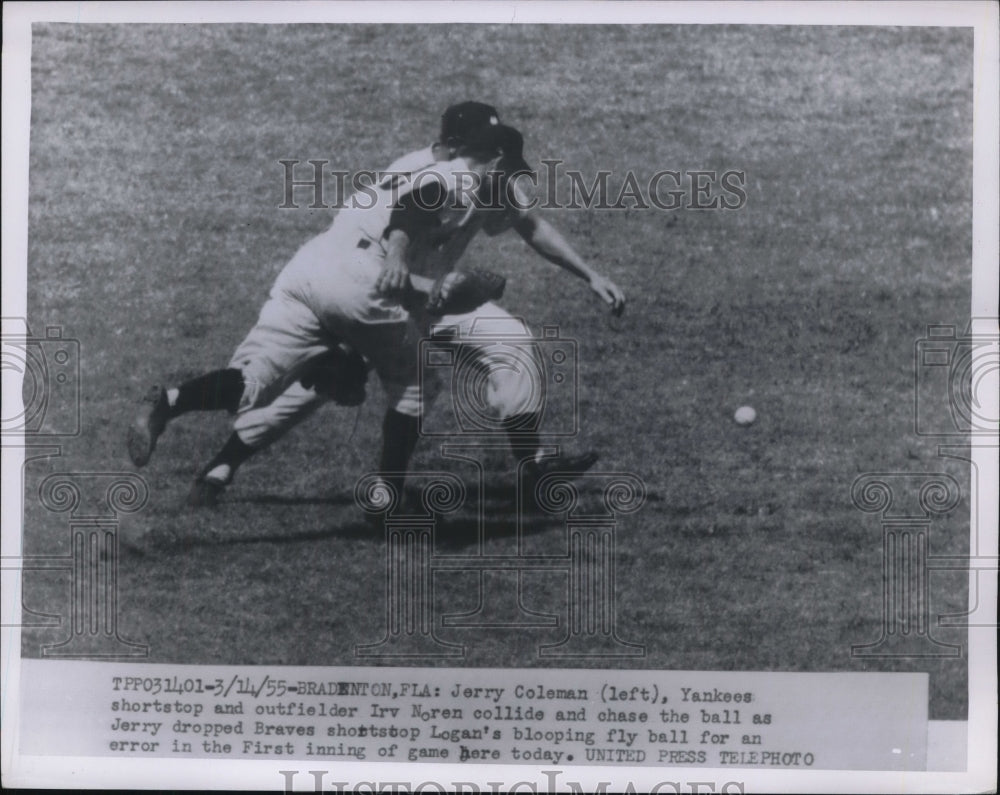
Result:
{"points": [[454, 533], [354, 530], [282, 499]]}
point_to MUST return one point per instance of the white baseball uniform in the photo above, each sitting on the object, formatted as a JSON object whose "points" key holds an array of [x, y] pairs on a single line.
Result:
{"points": [[327, 292]]}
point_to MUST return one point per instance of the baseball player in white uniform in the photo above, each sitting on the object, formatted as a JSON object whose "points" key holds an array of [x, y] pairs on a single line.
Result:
{"points": [[347, 285]]}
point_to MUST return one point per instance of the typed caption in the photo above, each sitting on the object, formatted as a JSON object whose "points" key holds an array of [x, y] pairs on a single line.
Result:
{"points": [[553, 717]]}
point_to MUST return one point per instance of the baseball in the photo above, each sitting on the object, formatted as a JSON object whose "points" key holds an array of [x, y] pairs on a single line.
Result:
{"points": [[745, 415]]}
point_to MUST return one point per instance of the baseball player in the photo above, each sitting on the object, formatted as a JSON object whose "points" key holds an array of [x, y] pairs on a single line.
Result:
{"points": [[510, 392], [374, 319], [257, 428], [337, 373], [326, 296], [284, 345]]}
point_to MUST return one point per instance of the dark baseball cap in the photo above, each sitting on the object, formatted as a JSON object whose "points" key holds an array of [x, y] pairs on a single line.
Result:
{"points": [[498, 139], [461, 120]]}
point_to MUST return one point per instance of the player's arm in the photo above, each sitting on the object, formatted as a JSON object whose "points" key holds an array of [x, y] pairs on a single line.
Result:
{"points": [[414, 213], [550, 244], [413, 288], [395, 274], [453, 293]]}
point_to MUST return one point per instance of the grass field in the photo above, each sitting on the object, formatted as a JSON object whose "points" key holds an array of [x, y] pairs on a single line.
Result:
{"points": [[155, 234]]}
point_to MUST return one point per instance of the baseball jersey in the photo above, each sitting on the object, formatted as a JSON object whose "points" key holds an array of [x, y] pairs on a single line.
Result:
{"points": [[328, 288], [430, 263], [444, 214], [414, 161]]}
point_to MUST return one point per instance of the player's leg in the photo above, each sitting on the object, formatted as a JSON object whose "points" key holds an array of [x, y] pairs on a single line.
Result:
{"points": [[293, 337], [504, 347], [285, 338], [254, 430], [400, 433], [393, 350], [213, 391], [218, 473], [401, 423], [289, 343], [348, 305], [274, 342]]}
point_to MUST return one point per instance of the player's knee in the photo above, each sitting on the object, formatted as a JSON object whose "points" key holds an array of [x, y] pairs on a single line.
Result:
{"points": [[257, 427], [516, 382], [515, 392], [253, 396]]}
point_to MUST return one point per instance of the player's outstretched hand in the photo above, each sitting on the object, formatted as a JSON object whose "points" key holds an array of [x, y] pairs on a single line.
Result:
{"points": [[394, 277], [610, 293]]}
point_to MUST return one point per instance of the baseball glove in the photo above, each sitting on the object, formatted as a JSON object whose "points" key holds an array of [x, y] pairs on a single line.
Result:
{"points": [[340, 374], [459, 292]]}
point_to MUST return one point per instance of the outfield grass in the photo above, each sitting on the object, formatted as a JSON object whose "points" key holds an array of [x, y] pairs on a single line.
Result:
{"points": [[154, 236]]}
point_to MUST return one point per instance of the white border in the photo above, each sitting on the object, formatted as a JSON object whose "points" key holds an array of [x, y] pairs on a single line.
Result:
{"points": [[134, 773]]}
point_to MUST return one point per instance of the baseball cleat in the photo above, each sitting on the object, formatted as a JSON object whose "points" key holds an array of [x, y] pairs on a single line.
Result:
{"points": [[564, 464], [205, 492], [147, 426], [534, 471]]}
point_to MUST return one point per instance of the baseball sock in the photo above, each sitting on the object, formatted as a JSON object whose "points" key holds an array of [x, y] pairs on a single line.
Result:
{"points": [[400, 433], [233, 453], [219, 389]]}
